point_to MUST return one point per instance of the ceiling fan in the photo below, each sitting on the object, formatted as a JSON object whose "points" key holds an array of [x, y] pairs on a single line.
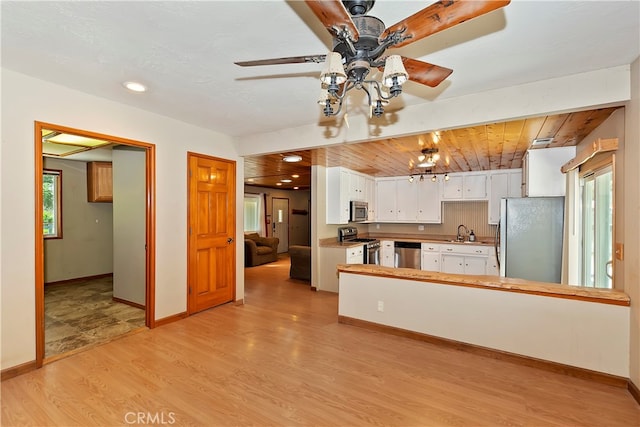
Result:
{"points": [[360, 42]]}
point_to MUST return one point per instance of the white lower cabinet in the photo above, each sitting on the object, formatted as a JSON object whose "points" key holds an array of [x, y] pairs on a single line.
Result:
{"points": [[464, 259], [355, 255], [387, 253], [430, 257]]}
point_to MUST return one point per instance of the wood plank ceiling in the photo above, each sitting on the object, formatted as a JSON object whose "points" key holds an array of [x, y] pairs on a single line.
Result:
{"points": [[477, 148]]}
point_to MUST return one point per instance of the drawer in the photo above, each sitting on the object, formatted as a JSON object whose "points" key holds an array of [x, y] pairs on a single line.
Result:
{"points": [[431, 247], [467, 249], [355, 252]]}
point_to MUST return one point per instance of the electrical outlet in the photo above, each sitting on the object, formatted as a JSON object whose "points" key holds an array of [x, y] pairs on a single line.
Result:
{"points": [[380, 306], [421, 228]]}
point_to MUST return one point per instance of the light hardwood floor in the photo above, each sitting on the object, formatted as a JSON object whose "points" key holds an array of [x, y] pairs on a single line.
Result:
{"points": [[281, 359]]}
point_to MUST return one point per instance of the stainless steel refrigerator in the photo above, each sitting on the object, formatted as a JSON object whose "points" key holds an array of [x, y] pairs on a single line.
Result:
{"points": [[529, 238]]}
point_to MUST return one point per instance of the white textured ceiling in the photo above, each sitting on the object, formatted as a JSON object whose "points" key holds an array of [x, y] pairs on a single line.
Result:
{"points": [[184, 51]]}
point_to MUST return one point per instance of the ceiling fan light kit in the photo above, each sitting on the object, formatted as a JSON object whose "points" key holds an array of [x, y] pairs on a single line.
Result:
{"points": [[360, 42]]}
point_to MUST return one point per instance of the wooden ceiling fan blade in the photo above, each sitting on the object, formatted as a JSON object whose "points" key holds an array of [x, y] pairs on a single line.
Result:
{"points": [[333, 14], [425, 73], [286, 60], [440, 16]]}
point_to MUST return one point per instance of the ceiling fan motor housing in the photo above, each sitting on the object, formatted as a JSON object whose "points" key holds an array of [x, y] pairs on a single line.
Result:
{"points": [[358, 7], [370, 29]]}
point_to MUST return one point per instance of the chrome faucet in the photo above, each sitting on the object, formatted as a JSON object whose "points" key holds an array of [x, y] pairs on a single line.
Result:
{"points": [[460, 237]]}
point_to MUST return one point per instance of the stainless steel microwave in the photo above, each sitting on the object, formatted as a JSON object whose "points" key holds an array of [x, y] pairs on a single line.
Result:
{"points": [[359, 211]]}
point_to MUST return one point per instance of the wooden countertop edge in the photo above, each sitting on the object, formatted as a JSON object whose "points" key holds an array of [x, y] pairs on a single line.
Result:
{"points": [[489, 282]]}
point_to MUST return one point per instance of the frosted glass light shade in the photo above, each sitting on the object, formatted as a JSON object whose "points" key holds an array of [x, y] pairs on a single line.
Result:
{"points": [[333, 67], [393, 67]]}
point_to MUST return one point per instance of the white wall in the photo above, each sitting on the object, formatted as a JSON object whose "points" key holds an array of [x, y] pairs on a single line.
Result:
{"points": [[86, 248], [577, 333], [23, 103], [129, 224]]}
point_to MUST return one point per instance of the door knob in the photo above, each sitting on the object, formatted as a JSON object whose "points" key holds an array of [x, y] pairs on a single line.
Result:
{"points": [[230, 240]]}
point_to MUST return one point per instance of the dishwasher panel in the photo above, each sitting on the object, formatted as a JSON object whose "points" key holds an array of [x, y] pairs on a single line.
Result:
{"points": [[407, 255]]}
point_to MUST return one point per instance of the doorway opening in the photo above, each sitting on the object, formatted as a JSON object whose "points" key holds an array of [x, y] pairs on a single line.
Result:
{"points": [[280, 217], [90, 185]]}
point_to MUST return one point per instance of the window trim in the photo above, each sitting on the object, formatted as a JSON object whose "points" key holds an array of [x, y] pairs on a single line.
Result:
{"points": [[57, 204]]}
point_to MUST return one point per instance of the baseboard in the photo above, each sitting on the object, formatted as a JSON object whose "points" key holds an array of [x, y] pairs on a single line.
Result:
{"points": [[14, 371], [170, 319], [239, 301], [313, 288], [78, 279], [546, 365], [131, 303], [634, 390]]}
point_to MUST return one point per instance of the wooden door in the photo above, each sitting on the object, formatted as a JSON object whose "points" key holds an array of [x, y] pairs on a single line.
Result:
{"points": [[280, 219], [211, 245]]}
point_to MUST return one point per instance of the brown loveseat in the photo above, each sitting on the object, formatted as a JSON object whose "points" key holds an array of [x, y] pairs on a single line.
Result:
{"points": [[259, 250]]}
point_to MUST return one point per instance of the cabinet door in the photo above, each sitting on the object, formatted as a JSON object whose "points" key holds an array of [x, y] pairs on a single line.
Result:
{"points": [[452, 189], [452, 264], [475, 265], [515, 183], [99, 182], [498, 188], [429, 205], [386, 199], [406, 200], [356, 186], [475, 186], [430, 261], [337, 201], [492, 266], [370, 197], [355, 255], [387, 253]]}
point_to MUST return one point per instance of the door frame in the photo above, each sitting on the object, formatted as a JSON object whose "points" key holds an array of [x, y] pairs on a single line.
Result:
{"points": [[150, 232]]}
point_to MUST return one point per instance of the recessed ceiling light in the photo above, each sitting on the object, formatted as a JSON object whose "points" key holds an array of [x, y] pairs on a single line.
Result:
{"points": [[249, 179], [285, 180], [295, 188], [135, 86], [295, 176], [292, 158], [278, 183]]}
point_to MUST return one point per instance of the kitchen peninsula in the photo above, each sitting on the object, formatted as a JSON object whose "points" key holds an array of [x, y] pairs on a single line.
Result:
{"points": [[532, 321]]}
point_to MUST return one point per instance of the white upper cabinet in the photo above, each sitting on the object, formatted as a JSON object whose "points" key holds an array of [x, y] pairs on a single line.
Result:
{"points": [[344, 185], [429, 202], [370, 196], [357, 186], [406, 200], [465, 186], [502, 183], [386, 199], [542, 175]]}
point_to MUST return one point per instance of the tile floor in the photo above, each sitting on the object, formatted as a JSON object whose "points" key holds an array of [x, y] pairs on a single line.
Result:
{"points": [[83, 313]]}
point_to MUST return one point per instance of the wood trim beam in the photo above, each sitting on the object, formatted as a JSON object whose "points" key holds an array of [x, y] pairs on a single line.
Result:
{"points": [[588, 151], [171, 319]]}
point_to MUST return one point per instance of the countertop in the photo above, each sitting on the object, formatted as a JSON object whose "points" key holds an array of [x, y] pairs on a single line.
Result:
{"points": [[605, 296], [332, 242]]}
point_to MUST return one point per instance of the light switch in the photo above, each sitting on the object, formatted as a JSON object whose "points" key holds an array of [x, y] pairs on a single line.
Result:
{"points": [[620, 251]]}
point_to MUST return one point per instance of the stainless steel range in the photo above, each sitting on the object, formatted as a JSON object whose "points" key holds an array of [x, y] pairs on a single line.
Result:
{"points": [[371, 246]]}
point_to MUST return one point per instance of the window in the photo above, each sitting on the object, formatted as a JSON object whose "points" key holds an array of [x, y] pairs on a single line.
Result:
{"points": [[252, 208], [52, 203], [597, 228]]}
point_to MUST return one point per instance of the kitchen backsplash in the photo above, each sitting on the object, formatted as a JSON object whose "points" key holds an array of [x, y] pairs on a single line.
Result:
{"points": [[474, 215]]}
